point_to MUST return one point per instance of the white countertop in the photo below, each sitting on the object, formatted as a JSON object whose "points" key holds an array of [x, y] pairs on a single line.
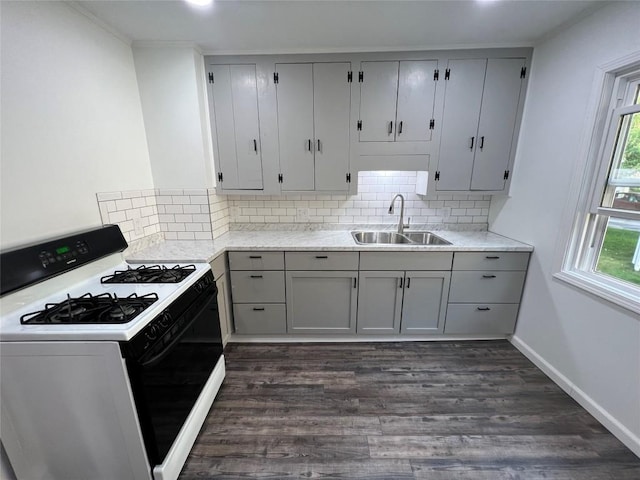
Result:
{"points": [[190, 251]]}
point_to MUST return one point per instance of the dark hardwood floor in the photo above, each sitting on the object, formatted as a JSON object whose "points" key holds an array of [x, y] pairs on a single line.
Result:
{"points": [[423, 410]]}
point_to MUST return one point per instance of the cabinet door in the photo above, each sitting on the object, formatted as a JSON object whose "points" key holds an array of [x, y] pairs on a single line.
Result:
{"points": [[378, 97], [425, 302], [380, 302], [463, 95], [294, 92], [416, 96], [497, 123], [235, 105], [331, 104], [321, 302]]}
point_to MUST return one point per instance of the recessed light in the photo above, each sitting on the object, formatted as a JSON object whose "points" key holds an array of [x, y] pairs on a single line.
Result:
{"points": [[199, 3]]}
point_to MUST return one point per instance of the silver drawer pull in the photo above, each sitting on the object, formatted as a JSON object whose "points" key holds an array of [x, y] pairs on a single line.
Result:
{"points": [[255, 309], [322, 256], [490, 257], [256, 276], [255, 256], [488, 276], [483, 309]]}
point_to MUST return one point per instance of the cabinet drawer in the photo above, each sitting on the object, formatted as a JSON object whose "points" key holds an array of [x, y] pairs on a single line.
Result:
{"points": [[321, 260], [258, 319], [257, 286], [490, 260], [490, 287], [219, 266], [256, 260], [481, 318], [405, 260]]}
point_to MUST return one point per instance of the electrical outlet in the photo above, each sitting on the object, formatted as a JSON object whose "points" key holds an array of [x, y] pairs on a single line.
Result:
{"points": [[138, 227], [302, 215]]}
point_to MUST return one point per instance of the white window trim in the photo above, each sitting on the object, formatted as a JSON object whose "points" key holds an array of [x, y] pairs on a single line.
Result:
{"points": [[569, 260]]}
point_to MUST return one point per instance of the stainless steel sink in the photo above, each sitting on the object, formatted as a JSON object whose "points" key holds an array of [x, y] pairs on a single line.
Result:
{"points": [[367, 238], [425, 238], [393, 238]]}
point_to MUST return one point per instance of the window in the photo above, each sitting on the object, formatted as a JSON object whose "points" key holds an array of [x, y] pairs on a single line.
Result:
{"points": [[604, 253]]}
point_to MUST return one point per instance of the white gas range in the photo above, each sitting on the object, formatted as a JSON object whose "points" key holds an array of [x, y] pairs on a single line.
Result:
{"points": [[101, 379]]}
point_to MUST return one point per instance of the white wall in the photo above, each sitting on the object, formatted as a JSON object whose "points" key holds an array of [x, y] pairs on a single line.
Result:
{"points": [[173, 102], [71, 121], [593, 344]]}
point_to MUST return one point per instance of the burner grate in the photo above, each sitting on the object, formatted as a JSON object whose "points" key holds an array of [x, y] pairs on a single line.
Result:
{"points": [[104, 308], [150, 274]]}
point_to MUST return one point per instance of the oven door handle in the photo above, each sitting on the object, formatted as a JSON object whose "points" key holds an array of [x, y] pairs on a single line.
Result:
{"points": [[167, 349]]}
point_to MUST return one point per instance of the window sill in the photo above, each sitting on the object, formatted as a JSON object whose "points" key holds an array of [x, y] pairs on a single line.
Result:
{"points": [[625, 297]]}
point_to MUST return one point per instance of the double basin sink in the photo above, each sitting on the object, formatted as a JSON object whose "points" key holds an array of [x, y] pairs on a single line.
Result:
{"points": [[393, 238]]}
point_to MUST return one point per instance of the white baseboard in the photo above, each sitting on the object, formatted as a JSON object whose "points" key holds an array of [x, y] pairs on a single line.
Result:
{"points": [[623, 434], [235, 338]]}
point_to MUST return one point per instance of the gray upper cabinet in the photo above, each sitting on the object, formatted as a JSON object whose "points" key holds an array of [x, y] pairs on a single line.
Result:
{"points": [[235, 127], [397, 101], [481, 106], [313, 107]]}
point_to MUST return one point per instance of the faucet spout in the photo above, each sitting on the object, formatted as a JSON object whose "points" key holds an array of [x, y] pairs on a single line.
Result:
{"points": [[401, 219]]}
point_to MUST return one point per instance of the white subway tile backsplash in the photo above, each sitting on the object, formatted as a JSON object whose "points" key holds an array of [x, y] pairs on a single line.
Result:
{"points": [[173, 209], [123, 204], [201, 214]]}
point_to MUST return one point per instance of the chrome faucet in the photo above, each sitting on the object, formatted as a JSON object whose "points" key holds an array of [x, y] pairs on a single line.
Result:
{"points": [[401, 225]]}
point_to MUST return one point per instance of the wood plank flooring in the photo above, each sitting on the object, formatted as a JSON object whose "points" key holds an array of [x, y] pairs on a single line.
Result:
{"points": [[407, 410]]}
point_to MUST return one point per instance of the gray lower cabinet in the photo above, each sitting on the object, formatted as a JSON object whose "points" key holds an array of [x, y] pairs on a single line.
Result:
{"points": [[380, 302], [374, 293], [425, 302], [258, 291], [321, 301], [485, 293], [408, 302], [220, 274], [260, 319]]}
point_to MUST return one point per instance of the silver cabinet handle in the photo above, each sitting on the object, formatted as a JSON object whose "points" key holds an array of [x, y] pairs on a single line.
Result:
{"points": [[322, 256], [258, 309], [255, 145], [355, 282], [492, 257], [256, 276], [481, 143], [488, 276], [483, 309], [400, 127], [400, 282], [408, 282], [255, 256], [318, 149], [473, 139], [390, 128]]}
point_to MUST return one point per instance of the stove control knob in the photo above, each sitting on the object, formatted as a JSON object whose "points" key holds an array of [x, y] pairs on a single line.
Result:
{"points": [[152, 332], [165, 320]]}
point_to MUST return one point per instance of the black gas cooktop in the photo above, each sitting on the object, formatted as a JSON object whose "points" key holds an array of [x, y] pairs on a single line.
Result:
{"points": [[104, 308], [150, 274]]}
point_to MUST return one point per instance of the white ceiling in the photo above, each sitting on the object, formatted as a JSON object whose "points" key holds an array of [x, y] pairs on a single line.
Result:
{"points": [[269, 26]]}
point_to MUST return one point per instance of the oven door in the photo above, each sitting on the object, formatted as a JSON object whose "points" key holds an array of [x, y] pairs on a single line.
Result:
{"points": [[168, 382]]}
